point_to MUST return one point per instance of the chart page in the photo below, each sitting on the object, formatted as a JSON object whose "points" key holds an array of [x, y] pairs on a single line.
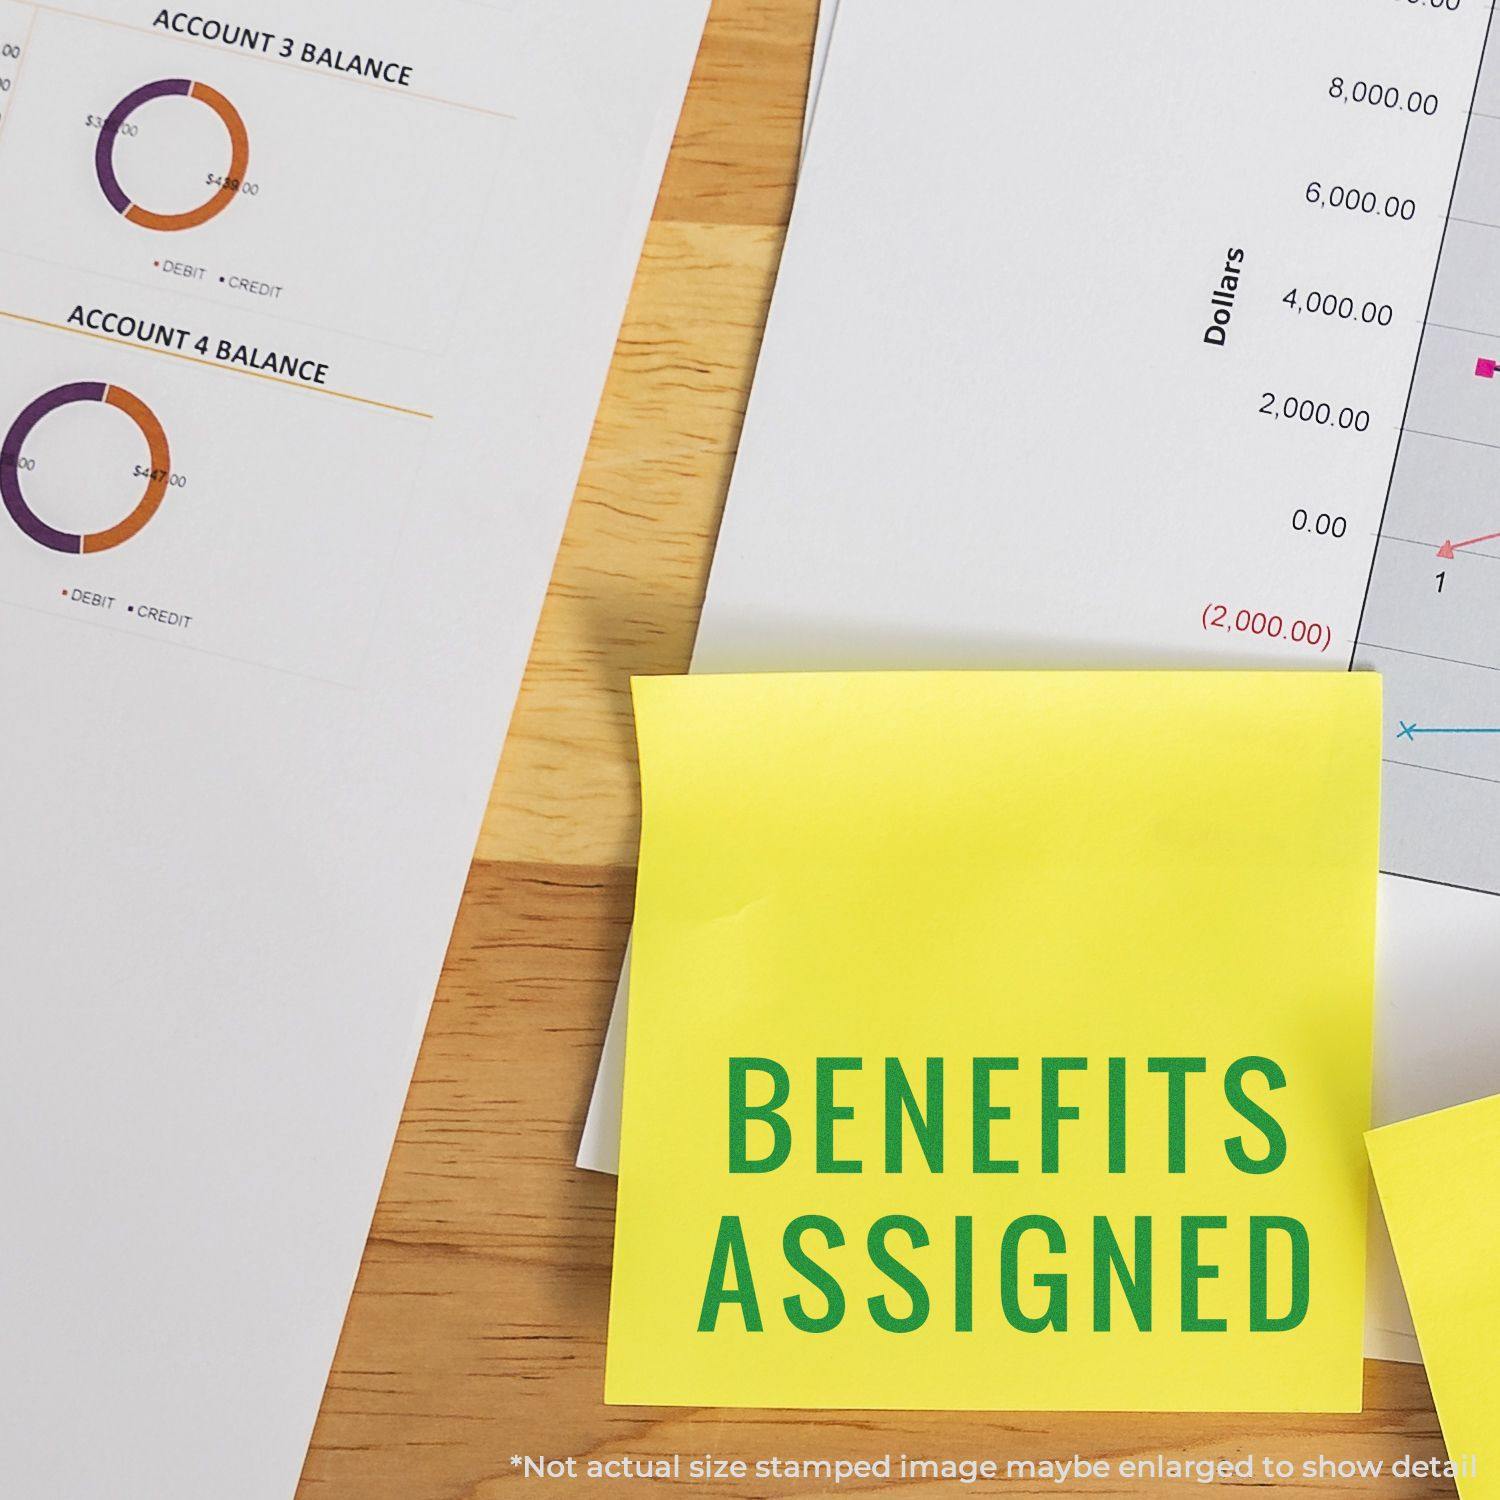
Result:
{"points": [[1430, 621], [305, 311], [210, 391], [1202, 367]]}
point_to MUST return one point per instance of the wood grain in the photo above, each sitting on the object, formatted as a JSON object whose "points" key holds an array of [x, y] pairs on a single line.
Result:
{"points": [[634, 561], [477, 1328]]}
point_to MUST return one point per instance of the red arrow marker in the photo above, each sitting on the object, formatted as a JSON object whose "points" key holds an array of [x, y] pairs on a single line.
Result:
{"points": [[1448, 550]]}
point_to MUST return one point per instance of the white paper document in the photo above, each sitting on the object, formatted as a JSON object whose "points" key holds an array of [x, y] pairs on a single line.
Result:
{"points": [[827, 13], [305, 310], [1102, 337]]}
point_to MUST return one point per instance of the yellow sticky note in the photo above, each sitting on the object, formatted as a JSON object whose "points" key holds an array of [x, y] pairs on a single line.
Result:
{"points": [[1440, 1192], [999, 1041]]}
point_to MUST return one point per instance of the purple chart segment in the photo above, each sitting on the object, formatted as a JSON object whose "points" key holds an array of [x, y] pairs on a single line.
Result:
{"points": [[104, 152], [10, 465]]}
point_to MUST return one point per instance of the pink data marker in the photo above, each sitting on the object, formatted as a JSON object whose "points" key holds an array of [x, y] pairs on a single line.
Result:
{"points": [[1485, 369]]}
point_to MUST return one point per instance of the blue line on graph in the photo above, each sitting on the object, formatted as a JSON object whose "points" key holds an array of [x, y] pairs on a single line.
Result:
{"points": [[1411, 731]]}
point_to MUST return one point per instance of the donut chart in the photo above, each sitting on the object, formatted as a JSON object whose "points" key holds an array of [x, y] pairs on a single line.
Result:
{"points": [[168, 88], [78, 543]]}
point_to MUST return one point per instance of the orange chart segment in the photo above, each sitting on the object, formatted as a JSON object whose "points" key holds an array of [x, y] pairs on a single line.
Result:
{"points": [[233, 180], [156, 486]]}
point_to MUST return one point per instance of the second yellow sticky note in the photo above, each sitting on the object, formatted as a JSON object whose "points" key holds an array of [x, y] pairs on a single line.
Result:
{"points": [[999, 1041], [1440, 1191]]}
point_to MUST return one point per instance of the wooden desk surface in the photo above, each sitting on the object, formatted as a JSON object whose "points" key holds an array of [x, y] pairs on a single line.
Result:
{"points": [[477, 1329]]}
